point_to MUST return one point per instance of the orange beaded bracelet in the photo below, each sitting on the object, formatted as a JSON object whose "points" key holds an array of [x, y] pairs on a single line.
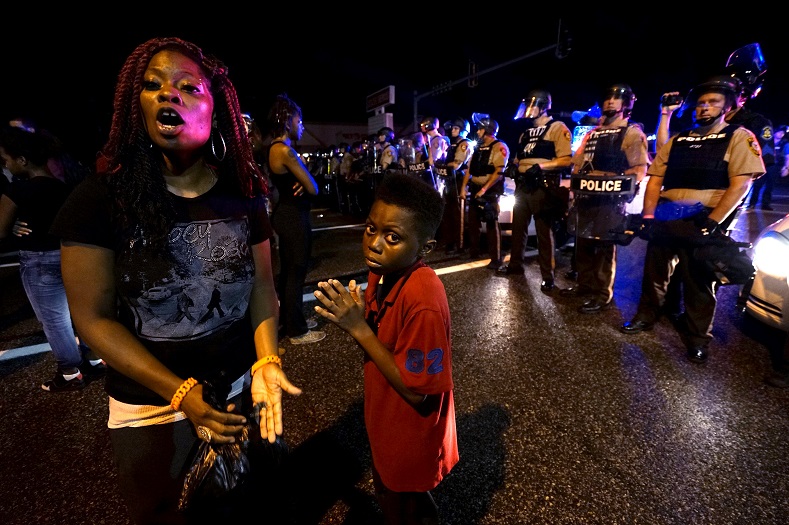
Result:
{"points": [[179, 395], [264, 361]]}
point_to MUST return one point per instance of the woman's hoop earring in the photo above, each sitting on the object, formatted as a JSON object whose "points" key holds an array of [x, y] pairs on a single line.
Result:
{"points": [[213, 145]]}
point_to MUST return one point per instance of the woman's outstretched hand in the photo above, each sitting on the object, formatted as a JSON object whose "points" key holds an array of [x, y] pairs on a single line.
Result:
{"points": [[267, 385]]}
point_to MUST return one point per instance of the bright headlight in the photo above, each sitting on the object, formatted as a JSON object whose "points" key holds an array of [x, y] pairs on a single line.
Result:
{"points": [[771, 255], [506, 202]]}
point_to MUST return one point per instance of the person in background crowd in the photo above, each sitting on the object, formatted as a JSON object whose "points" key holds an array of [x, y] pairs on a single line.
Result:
{"points": [[403, 324], [27, 209], [748, 67], [457, 160], [387, 150], [779, 168], [61, 162], [436, 144], [543, 153], [696, 184], [616, 147], [179, 200], [485, 181], [350, 182], [415, 159], [291, 218], [260, 153]]}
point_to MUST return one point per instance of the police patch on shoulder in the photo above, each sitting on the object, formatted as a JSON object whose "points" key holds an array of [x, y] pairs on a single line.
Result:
{"points": [[753, 144], [568, 135]]}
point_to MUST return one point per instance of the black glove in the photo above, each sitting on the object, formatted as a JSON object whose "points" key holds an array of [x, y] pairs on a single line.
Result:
{"points": [[710, 227], [646, 231], [534, 170]]}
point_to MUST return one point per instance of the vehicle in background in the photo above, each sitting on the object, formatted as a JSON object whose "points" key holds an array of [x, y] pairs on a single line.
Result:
{"points": [[768, 300]]}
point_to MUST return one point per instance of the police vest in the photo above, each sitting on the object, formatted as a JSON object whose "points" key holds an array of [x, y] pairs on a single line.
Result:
{"points": [[480, 166], [697, 162], [533, 144], [603, 150]]}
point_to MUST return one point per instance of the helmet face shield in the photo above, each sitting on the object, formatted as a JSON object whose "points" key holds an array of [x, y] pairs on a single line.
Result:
{"points": [[747, 64], [537, 98]]}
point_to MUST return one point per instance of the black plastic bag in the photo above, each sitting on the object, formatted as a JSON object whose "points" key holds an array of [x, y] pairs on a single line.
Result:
{"points": [[219, 469]]}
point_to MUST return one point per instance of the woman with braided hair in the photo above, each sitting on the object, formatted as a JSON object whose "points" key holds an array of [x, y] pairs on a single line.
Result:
{"points": [[291, 218], [177, 201]]}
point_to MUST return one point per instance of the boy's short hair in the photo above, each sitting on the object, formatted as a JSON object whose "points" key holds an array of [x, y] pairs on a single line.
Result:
{"points": [[411, 193]]}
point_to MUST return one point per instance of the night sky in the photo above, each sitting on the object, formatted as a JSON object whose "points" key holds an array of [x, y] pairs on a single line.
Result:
{"points": [[329, 61]]}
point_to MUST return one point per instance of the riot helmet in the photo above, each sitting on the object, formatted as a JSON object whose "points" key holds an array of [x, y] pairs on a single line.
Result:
{"points": [[428, 124], [748, 66], [730, 87], [536, 98], [490, 126], [624, 93], [388, 133], [458, 122]]}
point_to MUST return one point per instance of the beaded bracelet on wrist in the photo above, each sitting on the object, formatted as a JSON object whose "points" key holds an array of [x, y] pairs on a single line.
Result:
{"points": [[180, 394], [264, 361]]}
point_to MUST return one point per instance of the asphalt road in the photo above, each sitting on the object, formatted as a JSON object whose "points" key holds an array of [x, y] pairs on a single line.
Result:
{"points": [[561, 418]]}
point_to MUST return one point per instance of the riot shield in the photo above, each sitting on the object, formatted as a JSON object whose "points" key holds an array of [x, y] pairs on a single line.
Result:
{"points": [[599, 206], [445, 180]]}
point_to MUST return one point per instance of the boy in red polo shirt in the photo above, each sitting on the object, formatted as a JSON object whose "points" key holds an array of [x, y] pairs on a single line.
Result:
{"points": [[403, 326]]}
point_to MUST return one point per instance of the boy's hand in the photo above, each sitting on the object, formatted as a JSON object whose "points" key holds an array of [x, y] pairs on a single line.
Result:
{"points": [[345, 308]]}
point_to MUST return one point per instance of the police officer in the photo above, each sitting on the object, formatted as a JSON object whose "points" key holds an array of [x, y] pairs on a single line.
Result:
{"points": [[437, 143], [387, 150], [697, 180], [543, 152], [437, 146], [485, 179], [747, 65], [457, 160], [415, 159], [616, 147]]}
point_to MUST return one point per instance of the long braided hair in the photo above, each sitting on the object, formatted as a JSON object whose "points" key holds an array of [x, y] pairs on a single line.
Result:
{"points": [[132, 164], [280, 113]]}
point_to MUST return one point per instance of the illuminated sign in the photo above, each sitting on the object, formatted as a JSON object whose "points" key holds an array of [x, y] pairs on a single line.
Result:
{"points": [[380, 98]]}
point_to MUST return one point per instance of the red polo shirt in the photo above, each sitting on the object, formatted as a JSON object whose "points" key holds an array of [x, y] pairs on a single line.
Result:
{"points": [[412, 450]]}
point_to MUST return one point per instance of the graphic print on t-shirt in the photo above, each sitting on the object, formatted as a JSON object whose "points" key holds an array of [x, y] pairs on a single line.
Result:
{"points": [[204, 283]]}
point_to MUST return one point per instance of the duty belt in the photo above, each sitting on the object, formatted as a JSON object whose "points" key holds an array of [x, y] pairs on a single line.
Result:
{"points": [[550, 179]]}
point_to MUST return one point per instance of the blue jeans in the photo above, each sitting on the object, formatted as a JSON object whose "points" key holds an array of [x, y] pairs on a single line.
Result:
{"points": [[43, 283]]}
